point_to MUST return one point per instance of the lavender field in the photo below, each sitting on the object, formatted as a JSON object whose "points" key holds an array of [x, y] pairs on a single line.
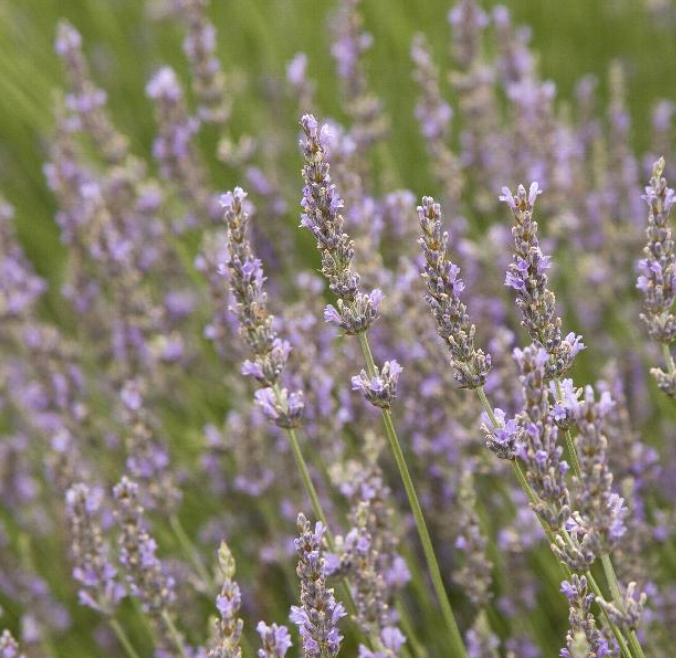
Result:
{"points": [[337, 329]]}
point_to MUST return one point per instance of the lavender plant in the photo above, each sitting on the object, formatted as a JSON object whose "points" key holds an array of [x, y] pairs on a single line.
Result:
{"points": [[175, 373]]}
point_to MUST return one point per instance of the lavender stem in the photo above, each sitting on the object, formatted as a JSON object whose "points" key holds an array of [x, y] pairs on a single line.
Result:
{"points": [[669, 360], [122, 637], [611, 577], [572, 451], [423, 532], [191, 551], [175, 635]]}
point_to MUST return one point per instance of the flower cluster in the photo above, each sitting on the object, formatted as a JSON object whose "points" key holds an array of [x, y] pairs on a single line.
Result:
{"points": [[601, 507], [144, 572], [657, 278], [228, 602], [318, 615], [380, 389], [275, 640], [470, 366], [583, 632], [270, 353], [546, 468], [356, 311], [527, 275], [99, 586]]}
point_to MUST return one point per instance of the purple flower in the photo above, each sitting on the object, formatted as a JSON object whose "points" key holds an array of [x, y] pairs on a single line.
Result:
{"points": [[380, 389], [319, 613], [527, 276], [275, 640], [470, 366]]}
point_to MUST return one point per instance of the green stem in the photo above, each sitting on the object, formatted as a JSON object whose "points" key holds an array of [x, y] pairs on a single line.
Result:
{"points": [[458, 646], [192, 552], [175, 635], [668, 359], [572, 450], [616, 632], [611, 577], [410, 632], [315, 502], [122, 637], [305, 473]]}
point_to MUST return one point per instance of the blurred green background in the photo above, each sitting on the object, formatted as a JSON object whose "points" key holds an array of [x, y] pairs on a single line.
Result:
{"points": [[256, 39]]}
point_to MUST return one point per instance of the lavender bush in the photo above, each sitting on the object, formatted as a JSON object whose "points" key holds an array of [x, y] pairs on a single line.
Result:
{"points": [[448, 430]]}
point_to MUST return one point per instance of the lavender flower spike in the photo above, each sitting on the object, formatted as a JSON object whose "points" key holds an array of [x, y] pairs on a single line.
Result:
{"points": [[269, 352], [470, 366], [380, 389], [99, 587], [356, 311], [208, 81], [228, 602], [543, 456], [275, 640], [317, 616], [145, 575], [602, 508], [657, 278], [527, 276], [583, 633]]}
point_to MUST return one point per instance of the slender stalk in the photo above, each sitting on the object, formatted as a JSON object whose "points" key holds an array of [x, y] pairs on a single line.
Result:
{"points": [[175, 635], [317, 506], [122, 637], [409, 630], [192, 552], [611, 577], [572, 450], [668, 359], [430, 556]]}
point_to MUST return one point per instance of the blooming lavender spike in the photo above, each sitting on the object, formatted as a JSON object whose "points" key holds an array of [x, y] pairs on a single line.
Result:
{"points": [[583, 632], [468, 21], [275, 640], [99, 587], [602, 509], [470, 366], [434, 116], [296, 75], [626, 614], [657, 278], [270, 353], [391, 642], [144, 572], [527, 276], [380, 389], [545, 467], [148, 459], [318, 615], [174, 147], [208, 81], [350, 43], [20, 288], [284, 410], [85, 99], [321, 204], [228, 602]]}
